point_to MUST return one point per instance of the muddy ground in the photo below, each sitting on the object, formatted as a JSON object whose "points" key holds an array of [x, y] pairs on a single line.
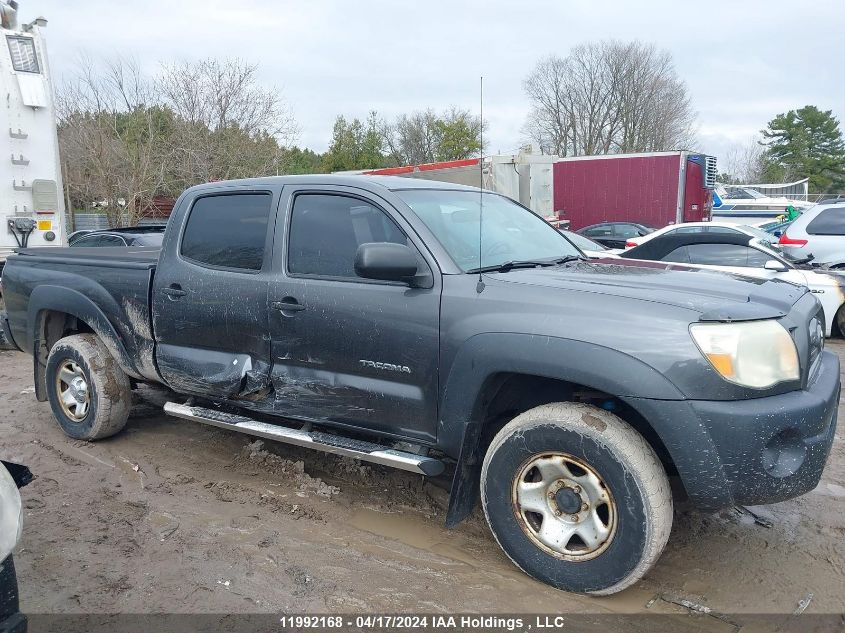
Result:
{"points": [[172, 516]]}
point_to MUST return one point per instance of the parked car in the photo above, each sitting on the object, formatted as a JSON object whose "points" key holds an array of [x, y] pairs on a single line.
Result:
{"points": [[615, 234], [367, 317], [747, 255], [820, 232], [591, 249], [149, 235], [692, 228], [12, 477]]}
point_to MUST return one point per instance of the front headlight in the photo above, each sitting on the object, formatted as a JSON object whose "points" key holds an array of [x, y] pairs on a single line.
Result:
{"points": [[11, 513], [749, 353]]}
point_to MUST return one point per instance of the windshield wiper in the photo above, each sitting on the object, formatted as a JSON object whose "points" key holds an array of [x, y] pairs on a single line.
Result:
{"points": [[509, 265], [566, 259], [526, 263]]}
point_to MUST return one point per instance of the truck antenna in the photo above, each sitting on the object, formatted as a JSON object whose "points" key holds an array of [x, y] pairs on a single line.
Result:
{"points": [[479, 287]]}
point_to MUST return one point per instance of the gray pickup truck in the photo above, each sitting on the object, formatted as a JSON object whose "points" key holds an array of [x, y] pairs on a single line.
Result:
{"points": [[440, 329]]}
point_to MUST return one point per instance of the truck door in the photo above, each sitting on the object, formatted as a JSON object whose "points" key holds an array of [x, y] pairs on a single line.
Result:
{"points": [[210, 293], [349, 350]]}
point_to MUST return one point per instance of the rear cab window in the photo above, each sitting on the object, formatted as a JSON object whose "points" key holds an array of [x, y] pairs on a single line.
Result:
{"points": [[228, 231]]}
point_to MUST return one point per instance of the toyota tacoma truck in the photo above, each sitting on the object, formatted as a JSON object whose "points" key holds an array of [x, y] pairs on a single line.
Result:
{"points": [[445, 330]]}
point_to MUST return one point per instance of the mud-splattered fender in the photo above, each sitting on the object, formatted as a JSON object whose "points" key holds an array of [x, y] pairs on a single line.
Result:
{"points": [[475, 375], [72, 302]]}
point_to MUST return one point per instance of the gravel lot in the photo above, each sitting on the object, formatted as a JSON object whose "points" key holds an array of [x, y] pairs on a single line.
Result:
{"points": [[171, 516]]}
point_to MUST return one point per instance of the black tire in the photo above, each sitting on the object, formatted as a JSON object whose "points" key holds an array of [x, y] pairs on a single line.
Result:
{"points": [[107, 395], [839, 321], [636, 513]]}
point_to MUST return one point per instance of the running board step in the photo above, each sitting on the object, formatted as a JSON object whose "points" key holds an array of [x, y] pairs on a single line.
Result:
{"points": [[365, 451]]}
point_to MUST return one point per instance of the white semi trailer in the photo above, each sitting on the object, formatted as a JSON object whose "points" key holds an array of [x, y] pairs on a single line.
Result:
{"points": [[32, 209], [524, 177]]}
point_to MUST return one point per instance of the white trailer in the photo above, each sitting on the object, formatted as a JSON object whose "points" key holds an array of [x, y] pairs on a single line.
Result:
{"points": [[32, 211], [524, 177]]}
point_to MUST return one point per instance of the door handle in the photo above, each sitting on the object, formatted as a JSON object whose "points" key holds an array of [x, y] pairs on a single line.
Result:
{"points": [[174, 291], [289, 304]]}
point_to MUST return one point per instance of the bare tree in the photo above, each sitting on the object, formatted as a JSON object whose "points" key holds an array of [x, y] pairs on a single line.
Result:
{"points": [[426, 137], [126, 137], [608, 97], [231, 126], [745, 163], [112, 136]]}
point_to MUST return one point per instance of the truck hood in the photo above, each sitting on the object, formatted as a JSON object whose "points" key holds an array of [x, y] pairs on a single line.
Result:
{"points": [[714, 296]]}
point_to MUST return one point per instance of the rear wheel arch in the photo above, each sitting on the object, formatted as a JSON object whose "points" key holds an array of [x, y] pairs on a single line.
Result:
{"points": [[55, 313]]}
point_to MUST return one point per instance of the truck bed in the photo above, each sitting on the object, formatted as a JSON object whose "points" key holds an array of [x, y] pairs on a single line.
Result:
{"points": [[107, 288], [121, 256]]}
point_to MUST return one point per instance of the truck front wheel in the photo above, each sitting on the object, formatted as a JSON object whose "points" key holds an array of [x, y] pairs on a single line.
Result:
{"points": [[88, 391], [576, 498]]}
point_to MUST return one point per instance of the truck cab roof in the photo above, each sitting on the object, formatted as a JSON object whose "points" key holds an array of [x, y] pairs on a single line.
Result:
{"points": [[373, 184]]}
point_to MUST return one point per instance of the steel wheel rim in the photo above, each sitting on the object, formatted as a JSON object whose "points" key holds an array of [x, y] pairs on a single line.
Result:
{"points": [[72, 390], [561, 530]]}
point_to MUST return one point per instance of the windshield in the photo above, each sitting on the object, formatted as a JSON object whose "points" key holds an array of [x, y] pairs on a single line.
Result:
{"points": [[740, 193], [761, 235], [510, 233]]}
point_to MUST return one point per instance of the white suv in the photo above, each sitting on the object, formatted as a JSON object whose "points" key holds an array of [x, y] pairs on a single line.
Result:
{"points": [[819, 231]]}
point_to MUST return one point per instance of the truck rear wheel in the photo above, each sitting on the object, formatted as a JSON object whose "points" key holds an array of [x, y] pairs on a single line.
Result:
{"points": [[88, 391], [576, 498]]}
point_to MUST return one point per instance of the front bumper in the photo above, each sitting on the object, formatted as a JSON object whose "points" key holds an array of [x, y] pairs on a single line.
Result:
{"points": [[755, 451], [11, 619]]}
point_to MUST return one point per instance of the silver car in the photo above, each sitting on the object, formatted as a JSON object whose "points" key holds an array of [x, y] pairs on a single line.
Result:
{"points": [[819, 231]]}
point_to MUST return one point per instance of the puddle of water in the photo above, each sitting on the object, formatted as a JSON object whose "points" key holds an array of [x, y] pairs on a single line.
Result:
{"points": [[417, 532], [414, 531]]}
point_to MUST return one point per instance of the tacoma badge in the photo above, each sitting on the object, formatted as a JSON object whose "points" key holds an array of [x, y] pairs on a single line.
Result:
{"points": [[404, 369]]}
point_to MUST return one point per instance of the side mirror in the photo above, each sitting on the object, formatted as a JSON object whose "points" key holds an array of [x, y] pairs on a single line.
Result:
{"points": [[385, 261], [775, 266]]}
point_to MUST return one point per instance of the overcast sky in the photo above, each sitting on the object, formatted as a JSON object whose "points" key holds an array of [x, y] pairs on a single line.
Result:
{"points": [[744, 61]]}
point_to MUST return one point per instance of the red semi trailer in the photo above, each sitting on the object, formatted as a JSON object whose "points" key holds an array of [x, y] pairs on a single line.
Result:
{"points": [[655, 189]]}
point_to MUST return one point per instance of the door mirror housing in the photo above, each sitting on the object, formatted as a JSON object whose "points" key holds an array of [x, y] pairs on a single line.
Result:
{"points": [[386, 261], [775, 266]]}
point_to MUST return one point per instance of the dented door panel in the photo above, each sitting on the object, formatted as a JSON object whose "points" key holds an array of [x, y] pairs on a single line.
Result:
{"points": [[356, 352], [363, 354]]}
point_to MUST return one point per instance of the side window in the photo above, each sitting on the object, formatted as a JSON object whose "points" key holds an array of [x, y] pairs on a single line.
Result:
{"points": [[719, 254], [828, 222], [626, 230], [685, 230], [228, 230], [679, 255], [326, 231], [111, 240], [88, 241], [757, 259], [602, 230], [722, 230]]}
